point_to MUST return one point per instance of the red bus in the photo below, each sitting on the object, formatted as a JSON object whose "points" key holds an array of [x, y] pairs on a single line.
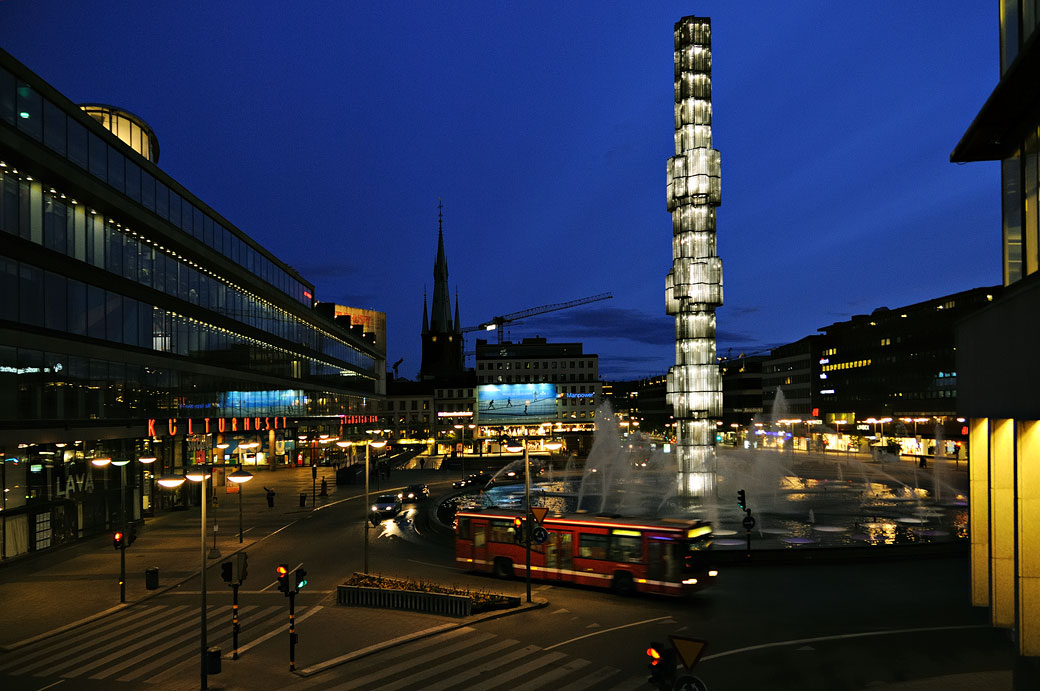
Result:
{"points": [[667, 556]]}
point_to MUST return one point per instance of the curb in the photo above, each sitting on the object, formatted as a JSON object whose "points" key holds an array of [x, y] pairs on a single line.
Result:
{"points": [[408, 638]]}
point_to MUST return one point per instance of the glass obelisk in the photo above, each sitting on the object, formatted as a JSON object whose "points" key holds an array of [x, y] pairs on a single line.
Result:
{"points": [[693, 288]]}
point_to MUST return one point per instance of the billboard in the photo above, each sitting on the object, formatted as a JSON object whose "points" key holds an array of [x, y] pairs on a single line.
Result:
{"points": [[516, 403]]}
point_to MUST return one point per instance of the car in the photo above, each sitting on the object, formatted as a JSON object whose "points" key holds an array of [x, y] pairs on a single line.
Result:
{"points": [[386, 506], [474, 480], [415, 493]]}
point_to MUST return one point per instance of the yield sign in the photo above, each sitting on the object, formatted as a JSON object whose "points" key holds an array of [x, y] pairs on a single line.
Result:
{"points": [[689, 649], [539, 513]]}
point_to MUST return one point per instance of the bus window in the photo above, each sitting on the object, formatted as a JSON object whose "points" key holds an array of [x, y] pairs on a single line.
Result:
{"points": [[626, 546], [592, 546], [500, 531], [463, 529]]}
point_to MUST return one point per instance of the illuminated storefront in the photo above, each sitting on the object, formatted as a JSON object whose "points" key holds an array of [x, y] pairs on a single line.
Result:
{"points": [[133, 313]]}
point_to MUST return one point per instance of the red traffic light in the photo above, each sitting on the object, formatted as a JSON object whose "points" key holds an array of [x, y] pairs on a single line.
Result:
{"points": [[117, 540], [518, 522], [654, 655], [282, 570]]}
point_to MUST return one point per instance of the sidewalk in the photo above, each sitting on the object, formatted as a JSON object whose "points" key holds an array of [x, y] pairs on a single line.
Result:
{"points": [[84, 577]]}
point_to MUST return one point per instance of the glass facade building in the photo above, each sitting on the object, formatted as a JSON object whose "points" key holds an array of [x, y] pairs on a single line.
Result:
{"points": [[132, 309]]}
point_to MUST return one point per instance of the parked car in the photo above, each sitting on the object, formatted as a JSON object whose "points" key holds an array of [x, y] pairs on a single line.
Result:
{"points": [[386, 505], [415, 493]]}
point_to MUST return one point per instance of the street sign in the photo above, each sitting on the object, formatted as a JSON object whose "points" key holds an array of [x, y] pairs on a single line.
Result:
{"points": [[689, 649], [231, 487], [539, 513], [539, 535], [748, 522], [688, 682]]}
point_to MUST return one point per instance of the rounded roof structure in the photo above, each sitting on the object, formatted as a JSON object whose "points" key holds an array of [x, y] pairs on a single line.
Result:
{"points": [[130, 128]]}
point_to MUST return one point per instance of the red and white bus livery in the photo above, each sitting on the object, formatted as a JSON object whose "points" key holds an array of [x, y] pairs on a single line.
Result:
{"points": [[666, 556]]}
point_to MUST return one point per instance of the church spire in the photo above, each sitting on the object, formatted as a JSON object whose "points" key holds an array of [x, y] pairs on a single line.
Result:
{"points": [[458, 322], [425, 320], [440, 310]]}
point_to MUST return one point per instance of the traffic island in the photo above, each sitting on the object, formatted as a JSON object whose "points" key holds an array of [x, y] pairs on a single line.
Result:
{"points": [[367, 590]]}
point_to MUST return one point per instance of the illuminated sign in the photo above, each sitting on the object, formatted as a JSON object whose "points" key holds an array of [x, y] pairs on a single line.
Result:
{"points": [[464, 413], [516, 403], [209, 425], [287, 400], [578, 395]]}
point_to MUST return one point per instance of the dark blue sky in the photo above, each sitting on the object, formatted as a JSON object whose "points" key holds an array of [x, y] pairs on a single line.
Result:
{"points": [[328, 131]]}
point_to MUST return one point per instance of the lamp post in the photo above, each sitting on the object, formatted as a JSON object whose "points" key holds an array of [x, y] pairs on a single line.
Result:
{"points": [[240, 477], [462, 453], [379, 443], [200, 474], [513, 447]]}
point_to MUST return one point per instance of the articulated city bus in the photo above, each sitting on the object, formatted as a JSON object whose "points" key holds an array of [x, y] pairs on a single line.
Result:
{"points": [[667, 556]]}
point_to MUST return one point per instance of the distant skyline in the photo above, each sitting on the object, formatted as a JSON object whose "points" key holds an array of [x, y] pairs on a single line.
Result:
{"points": [[328, 133]]}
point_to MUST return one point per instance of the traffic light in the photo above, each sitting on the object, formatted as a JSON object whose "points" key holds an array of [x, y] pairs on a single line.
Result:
{"points": [[518, 530], [301, 579], [661, 665], [741, 499], [283, 577], [118, 540], [242, 560], [132, 535], [225, 571]]}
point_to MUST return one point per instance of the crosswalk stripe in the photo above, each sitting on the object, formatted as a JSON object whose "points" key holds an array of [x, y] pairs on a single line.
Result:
{"points": [[519, 672], [264, 619], [466, 642], [542, 681], [150, 653], [484, 668], [591, 681], [634, 684], [411, 680], [188, 623], [47, 649]]}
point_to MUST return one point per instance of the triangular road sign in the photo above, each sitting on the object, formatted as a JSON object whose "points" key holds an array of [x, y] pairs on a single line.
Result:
{"points": [[689, 649], [539, 513]]}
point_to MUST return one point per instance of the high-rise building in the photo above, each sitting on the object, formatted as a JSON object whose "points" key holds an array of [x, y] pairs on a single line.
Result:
{"points": [[997, 364], [693, 288], [141, 327], [442, 341]]}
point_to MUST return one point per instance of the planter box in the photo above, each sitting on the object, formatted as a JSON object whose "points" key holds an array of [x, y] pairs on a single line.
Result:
{"points": [[415, 601]]}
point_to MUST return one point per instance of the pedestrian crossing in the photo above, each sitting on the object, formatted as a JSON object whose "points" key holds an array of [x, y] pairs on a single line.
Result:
{"points": [[139, 643], [467, 658]]}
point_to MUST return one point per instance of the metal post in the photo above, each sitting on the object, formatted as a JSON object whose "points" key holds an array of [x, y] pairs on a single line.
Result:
{"points": [[240, 513], [234, 620], [202, 579], [365, 569], [122, 569], [527, 518], [314, 479], [292, 630]]}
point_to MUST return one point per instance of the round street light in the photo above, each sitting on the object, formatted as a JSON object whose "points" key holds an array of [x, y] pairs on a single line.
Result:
{"points": [[121, 462], [171, 481], [100, 462], [147, 459], [553, 445], [197, 474], [240, 476]]}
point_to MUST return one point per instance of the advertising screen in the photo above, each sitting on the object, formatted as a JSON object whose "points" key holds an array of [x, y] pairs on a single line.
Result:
{"points": [[516, 403]]}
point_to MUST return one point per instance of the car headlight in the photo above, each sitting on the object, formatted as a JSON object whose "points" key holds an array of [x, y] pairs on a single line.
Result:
{"points": [[375, 508], [713, 573], [689, 581]]}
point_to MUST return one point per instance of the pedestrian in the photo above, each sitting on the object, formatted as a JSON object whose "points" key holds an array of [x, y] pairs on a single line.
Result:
{"points": [[422, 463], [270, 497]]}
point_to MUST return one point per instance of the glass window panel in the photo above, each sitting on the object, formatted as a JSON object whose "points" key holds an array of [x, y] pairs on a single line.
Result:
{"points": [[29, 111], [162, 200], [9, 205], [186, 216], [77, 308], [130, 258], [133, 180], [116, 169], [54, 224], [148, 191], [144, 325], [7, 91], [175, 208], [54, 127], [197, 223], [95, 312], [9, 289], [55, 301], [129, 306], [30, 303], [113, 250], [113, 317], [77, 143], [98, 156]]}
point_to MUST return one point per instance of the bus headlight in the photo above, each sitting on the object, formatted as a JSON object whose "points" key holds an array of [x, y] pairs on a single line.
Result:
{"points": [[713, 573]]}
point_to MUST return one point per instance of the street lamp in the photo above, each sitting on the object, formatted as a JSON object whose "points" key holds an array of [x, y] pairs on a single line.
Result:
{"points": [[240, 477], [513, 447], [201, 474], [378, 443]]}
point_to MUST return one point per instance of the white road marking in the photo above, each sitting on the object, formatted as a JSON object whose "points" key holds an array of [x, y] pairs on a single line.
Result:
{"points": [[615, 628]]}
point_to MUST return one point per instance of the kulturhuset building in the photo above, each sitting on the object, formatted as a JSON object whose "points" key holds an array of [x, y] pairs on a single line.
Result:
{"points": [[139, 328], [997, 347]]}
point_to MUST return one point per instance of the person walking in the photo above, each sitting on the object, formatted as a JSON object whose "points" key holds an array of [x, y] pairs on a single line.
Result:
{"points": [[270, 497]]}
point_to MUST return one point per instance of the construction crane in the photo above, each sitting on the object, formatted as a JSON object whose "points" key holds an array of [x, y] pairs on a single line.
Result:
{"points": [[496, 323]]}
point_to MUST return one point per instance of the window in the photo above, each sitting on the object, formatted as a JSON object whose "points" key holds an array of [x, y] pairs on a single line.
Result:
{"points": [[592, 546], [625, 547], [500, 531]]}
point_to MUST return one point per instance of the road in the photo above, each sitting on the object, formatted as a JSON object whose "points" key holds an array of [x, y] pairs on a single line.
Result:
{"points": [[803, 626]]}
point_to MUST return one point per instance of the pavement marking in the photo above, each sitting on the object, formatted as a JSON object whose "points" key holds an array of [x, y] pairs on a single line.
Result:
{"points": [[423, 672], [453, 682], [452, 629], [61, 629], [542, 681], [796, 641], [615, 628], [303, 617], [42, 688], [439, 566]]}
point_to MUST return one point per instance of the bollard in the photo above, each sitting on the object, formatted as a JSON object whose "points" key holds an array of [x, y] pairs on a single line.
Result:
{"points": [[151, 578], [303, 499]]}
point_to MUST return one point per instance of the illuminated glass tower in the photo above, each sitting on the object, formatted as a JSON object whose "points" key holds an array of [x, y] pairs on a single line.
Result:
{"points": [[693, 288]]}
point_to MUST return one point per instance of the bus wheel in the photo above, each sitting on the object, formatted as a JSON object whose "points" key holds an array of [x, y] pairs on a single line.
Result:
{"points": [[503, 568], [622, 584]]}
